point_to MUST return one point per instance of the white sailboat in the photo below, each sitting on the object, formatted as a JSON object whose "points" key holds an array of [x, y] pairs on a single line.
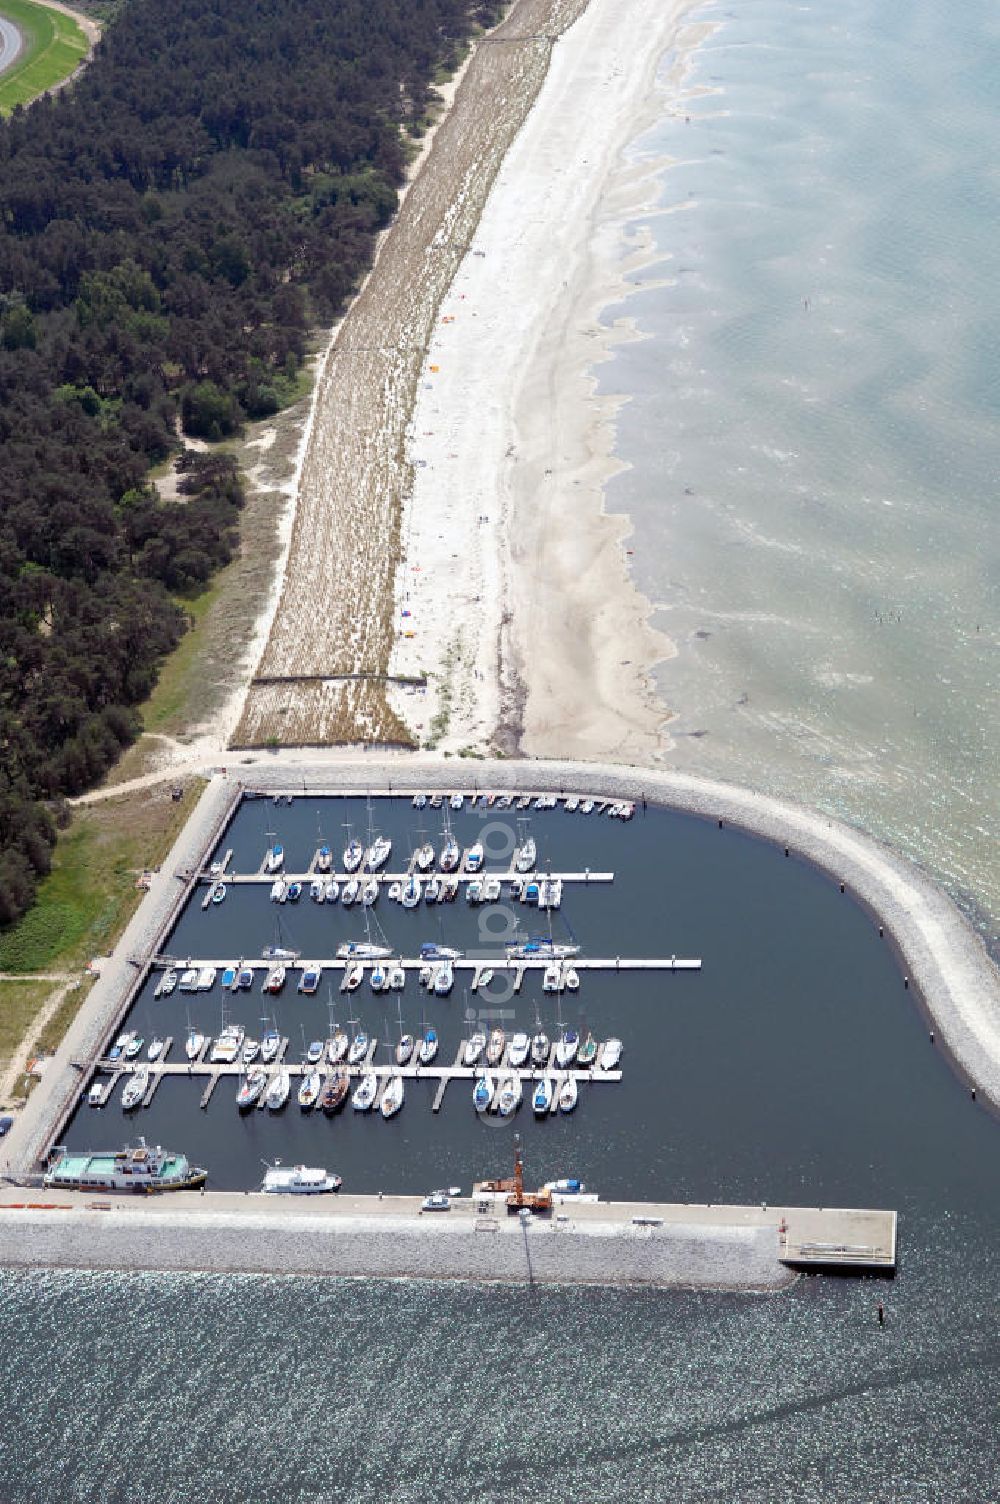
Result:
{"points": [[392, 1097], [568, 1094], [278, 1090]]}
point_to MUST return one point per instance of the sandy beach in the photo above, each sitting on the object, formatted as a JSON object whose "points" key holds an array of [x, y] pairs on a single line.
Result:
{"points": [[549, 647]]}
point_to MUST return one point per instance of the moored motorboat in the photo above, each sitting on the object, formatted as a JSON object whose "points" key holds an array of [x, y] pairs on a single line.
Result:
{"points": [[491, 889], [279, 888], [244, 979], [610, 1054], [298, 1180], [552, 978], [397, 978], [379, 978], [135, 1088], [310, 979], [419, 801], [227, 1045], [317, 890], [324, 859], [429, 951], [275, 978], [474, 857], [228, 979], [444, 980], [218, 892], [167, 983], [331, 890], [362, 950], [395, 892], [485, 977], [354, 976], [314, 1054], [250, 1051], [275, 857], [133, 1045], [294, 892], [97, 1093], [206, 978], [432, 889], [189, 980], [155, 1049]]}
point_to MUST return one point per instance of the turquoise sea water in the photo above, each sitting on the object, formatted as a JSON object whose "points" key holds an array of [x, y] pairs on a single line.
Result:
{"points": [[813, 425]]}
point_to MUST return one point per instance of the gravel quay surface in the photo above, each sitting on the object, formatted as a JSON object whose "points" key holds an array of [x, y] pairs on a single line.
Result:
{"points": [[286, 1239]]}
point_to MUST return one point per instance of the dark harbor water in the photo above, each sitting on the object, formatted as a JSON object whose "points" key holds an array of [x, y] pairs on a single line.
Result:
{"points": [[794, 1067], [790, 1034]]}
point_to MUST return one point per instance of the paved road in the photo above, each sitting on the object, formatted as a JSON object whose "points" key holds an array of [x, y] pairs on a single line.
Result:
{"points": [[11, 44]]}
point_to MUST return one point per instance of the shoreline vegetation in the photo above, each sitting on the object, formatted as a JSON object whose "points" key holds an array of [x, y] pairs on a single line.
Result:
{"points": [[173, 226]]}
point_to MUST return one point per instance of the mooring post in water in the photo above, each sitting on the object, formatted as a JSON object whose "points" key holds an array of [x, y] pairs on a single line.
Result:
{"points": [[881, 1314]]}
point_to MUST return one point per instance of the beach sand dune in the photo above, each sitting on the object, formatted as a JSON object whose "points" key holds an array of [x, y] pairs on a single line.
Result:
{"points": [[323, 672]]}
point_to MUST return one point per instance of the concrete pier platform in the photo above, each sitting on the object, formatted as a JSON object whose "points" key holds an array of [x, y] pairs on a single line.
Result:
{"points": [[600, 1243]]}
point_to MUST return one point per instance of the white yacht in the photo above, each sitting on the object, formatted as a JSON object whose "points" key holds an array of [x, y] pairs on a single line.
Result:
{"points": [[510, 1096], [331, 890], [566, 1047], [451, 854], [278, 1090], [189, 980], [269, 1045], [392, 1097], [351, 892], [483, 1093], [525, 856], [358, 1048], [365, 1092], [168, 983], [456, 801], [275, 979], [397, 978], [228, 1045], [194, 1044], [317, 889], [610, 1054], [378, 853], [299, 1180], [520, 1045], [568, 1094], [274, 860], [424, 857], [369, 893], [474, 857], [552, 978], [310, 1088], [541, 1099], [411, 893], [444, 980], [155, 1049], [206, 978], [474, 1047], [362, 950], [354, 854], [279, 890], [310, 979], [428, 1047], [135, 1088]]}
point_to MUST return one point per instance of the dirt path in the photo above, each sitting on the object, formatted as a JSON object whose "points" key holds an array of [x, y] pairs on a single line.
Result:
{"points": [[322, 675]]}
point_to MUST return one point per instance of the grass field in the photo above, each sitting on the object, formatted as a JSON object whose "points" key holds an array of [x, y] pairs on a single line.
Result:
{"points": [[53, 46], [90, 894]]}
